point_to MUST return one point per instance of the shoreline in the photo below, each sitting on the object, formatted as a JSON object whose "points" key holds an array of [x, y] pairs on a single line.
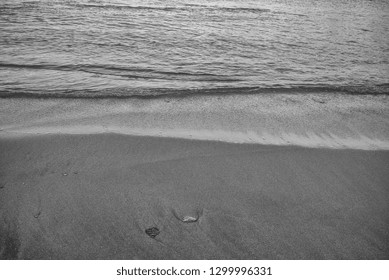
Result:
{"points": [[355, 122], [249, 138]]}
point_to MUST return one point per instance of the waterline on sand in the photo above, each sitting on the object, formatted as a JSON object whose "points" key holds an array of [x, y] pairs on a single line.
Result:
{"points": [[309, 139]]}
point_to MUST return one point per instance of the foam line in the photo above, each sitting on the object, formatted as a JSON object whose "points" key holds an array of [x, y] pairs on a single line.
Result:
{"points": [[310, 140]]}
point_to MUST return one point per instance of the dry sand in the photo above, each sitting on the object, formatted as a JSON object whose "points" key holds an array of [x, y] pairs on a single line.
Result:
{"points": [[94, 196]]}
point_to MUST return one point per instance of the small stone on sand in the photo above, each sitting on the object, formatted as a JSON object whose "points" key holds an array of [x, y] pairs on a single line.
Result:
{"points": [[36, 216], [189, 219], [152, 232]]}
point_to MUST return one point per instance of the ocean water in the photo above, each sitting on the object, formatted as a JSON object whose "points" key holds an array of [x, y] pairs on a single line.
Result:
{"points": [[124, 48]]}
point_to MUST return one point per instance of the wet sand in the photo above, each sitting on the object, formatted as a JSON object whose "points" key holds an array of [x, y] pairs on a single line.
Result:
{"points": [[95, 197]]}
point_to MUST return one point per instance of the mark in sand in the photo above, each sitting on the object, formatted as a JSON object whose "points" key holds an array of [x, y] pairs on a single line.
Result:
{"points": [[10, 245], [2, 186], [152, 232], [37, 214], [188, 219], [319, 100]]}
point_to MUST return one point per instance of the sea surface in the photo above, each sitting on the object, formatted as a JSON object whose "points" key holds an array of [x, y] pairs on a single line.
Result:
{"points": [[123, 48]]}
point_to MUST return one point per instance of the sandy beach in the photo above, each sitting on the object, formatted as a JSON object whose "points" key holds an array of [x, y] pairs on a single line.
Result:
{"points": [[94, 197], [194, 130]]}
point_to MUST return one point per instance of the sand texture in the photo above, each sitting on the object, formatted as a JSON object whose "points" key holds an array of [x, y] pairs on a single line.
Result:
{"points": [[102, 196]]}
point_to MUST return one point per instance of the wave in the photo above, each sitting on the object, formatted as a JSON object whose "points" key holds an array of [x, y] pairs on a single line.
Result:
{"points": [[122, 7], [183, 7], [175, 8], [127, 72], [154, 93]]}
